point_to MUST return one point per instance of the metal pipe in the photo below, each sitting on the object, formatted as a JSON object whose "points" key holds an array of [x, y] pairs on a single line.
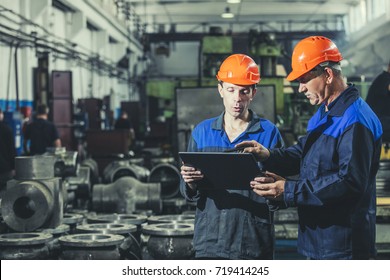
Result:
{"points": [[16, 76]]}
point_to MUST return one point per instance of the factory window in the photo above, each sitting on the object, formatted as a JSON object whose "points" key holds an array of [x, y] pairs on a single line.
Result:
{"points": [[365, 12]]}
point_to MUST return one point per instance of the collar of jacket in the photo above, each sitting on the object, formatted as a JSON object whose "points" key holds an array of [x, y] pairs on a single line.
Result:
{"points": [[254, 124], [346, 98]]}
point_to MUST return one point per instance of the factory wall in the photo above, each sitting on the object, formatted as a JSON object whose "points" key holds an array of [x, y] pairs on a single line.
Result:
{"points": [[88, 41]]}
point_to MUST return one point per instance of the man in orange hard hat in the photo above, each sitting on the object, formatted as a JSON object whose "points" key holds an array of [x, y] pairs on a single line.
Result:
{"points": [[336, 160], [231, 224]]}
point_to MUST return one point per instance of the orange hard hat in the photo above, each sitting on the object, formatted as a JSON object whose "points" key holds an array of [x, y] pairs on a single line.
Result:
{"points": [[239, 69], [310, 52]]}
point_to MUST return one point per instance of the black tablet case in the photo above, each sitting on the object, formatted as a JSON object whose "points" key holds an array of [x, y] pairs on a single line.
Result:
{"points": [[223, 170]]}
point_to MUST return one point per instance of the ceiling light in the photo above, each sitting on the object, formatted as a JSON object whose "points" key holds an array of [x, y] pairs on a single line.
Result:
{"points": [[227, 13], [233, 1]]}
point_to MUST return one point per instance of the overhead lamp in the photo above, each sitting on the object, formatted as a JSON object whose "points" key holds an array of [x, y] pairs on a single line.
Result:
{"points": [[227, 13], [233, 1]]}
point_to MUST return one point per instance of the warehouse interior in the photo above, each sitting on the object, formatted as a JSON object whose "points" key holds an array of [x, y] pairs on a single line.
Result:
{"points": [[105, 195]]}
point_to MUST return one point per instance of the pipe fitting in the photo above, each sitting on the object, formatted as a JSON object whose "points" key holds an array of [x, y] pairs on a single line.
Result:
{"points": [[126, 195]]}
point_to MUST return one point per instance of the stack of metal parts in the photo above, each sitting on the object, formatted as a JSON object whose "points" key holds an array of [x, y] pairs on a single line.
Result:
{"points": [[169, 237], [286, 233], [383, 179], [383, 210], [43, 218]]}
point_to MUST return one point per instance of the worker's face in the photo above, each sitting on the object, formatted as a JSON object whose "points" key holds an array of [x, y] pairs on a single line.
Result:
{"points": [[313, 85], [236, 98]]}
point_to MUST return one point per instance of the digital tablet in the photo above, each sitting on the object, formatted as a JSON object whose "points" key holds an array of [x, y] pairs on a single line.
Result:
{"points": [[223, 170]]}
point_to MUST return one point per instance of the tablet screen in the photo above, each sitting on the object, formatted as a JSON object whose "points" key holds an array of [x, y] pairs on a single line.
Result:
{"points": [[223, 170]]}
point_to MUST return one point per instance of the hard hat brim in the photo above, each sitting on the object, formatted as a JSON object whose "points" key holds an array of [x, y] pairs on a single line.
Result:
{"points": [[238, 81], [294, 75]]}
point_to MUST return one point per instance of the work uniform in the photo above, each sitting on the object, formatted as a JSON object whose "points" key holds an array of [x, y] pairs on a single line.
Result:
{"points": [[42, 134], [337, 162], [7, 153], [231, 224]]}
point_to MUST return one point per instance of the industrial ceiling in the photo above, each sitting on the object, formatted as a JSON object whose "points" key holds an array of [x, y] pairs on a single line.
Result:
{"points": [[266, 15]]}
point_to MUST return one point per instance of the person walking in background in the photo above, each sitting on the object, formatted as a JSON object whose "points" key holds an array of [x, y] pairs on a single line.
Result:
{"points": [[7, 152], [378, 98], [231, 224], [336, 160], [41, 133], [123, 122]]}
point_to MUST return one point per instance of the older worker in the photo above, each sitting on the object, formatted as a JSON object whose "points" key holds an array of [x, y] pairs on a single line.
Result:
{"points": [[336, 160]]}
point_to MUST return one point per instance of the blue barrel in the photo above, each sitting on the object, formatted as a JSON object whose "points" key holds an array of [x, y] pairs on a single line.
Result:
{"points": [[15, 120]]}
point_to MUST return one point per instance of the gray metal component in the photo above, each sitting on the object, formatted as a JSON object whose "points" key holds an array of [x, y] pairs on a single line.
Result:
{"points": [[25, 246], [123, 168], [129, 249], [54, 245], [90, 246], [209, 104], [72, 220], [79, 187], [25, 238], [286, 231], [35, 199], [383, 239], [92, 165], [29, 205], [126, 195], [61, 229], [112, 228], [180, 219], [168, 176], [65, 161], [170, 241], [383, 179], [118, 218], [159, 160], [91, 240], [286, 215], [34, 168], [169, 229], [81, 179]]}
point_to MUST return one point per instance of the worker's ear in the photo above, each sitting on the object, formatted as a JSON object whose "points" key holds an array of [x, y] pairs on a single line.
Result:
{"points": [[328, 75], [254, 91], [220, 90]]}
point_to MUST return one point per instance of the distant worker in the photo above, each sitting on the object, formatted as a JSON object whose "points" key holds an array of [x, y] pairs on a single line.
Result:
{"points": [[123, 122], [7, 152], [41, 133], [378, 98]]}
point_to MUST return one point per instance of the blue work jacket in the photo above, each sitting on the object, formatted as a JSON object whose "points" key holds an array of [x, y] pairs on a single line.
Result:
{"points": [[231, 224], [337, 162]]}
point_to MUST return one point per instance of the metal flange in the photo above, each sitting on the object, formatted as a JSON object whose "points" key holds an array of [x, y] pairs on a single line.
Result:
{"points": [[107, 228], [169, 229], [91, 240], [186, 219]]}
